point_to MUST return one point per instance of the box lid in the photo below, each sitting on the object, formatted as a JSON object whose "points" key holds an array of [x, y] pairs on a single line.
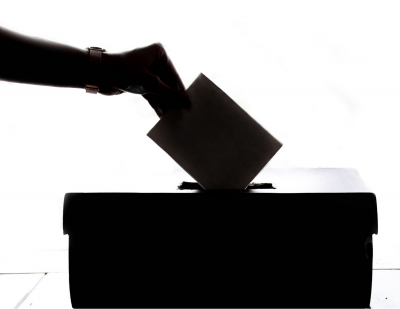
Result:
{"points": [[290, 185]]}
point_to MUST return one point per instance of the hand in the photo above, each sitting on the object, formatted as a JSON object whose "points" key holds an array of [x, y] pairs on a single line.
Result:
{"points": [[147, 71]]}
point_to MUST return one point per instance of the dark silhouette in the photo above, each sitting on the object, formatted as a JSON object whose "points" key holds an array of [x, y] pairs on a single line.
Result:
{"points": [[254, 248], [147, 71]]}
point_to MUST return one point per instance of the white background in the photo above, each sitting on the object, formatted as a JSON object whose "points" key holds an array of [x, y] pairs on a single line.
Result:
{"points": [[322, 76]]}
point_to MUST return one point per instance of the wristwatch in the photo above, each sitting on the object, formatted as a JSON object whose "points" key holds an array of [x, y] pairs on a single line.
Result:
{"points": [[93, 72]]}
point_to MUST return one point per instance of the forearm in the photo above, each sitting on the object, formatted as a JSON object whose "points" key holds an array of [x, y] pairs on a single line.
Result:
{"points": [[147, 70], [25, 59]]}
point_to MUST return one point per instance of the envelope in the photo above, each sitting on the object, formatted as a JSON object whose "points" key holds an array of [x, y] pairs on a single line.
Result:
{"points": [[214, 140]]}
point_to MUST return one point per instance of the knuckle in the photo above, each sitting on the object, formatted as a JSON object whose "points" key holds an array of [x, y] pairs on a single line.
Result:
{"points": [[157, 45]]}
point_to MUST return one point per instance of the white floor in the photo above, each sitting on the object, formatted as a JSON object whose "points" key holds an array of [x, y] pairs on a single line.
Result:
{"points": [[51, 290]]}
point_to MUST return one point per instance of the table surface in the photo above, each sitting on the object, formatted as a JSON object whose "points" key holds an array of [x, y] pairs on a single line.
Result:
{"points": [[51, 290]]}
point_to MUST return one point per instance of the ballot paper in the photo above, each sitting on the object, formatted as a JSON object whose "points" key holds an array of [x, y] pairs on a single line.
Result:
{"points": [[214, 140]]}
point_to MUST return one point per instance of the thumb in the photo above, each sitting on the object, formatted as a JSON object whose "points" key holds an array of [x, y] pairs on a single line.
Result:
{"points": [[171, 96]]}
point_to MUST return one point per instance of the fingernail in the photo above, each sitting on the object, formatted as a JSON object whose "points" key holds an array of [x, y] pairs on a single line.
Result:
{"points": [[178, 86]]}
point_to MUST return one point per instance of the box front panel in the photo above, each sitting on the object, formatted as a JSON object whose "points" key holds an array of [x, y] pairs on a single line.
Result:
{"points": [[220, 250]]}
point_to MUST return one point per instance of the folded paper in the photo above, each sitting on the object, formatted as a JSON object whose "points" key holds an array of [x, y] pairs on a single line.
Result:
{"points": [[214, 140]]}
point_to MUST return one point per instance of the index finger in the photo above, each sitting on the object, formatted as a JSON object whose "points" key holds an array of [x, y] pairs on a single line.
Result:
{"points": [[167, 72]]}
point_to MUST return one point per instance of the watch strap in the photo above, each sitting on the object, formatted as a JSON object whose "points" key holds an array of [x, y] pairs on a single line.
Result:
{"points": [[94, 65]]}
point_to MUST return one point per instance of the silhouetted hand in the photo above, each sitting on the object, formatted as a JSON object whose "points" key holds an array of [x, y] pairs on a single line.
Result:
{"points": [[147, 71]]}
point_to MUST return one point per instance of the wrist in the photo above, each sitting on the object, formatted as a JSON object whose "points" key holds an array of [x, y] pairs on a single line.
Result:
{"points": [[109, 69]]}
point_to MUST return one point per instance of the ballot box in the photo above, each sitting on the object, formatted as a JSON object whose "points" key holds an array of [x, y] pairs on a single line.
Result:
{"points": [[304, 241]]}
